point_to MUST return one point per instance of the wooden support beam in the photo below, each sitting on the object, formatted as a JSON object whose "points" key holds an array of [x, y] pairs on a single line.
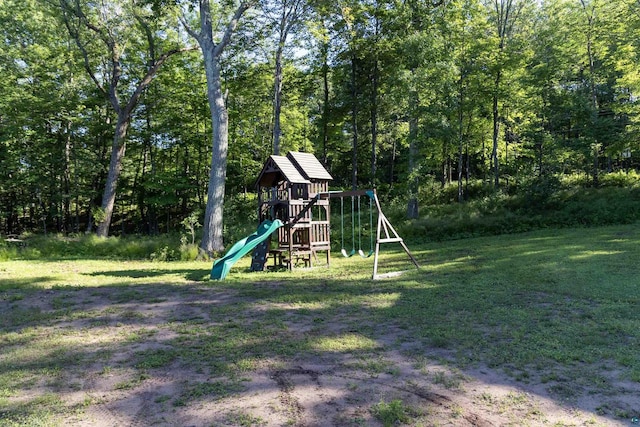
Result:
{"points": [[303, 211], [348, 193]]}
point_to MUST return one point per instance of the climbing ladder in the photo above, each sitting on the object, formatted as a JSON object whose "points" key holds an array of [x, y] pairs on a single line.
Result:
{"points": [[259, 256]]}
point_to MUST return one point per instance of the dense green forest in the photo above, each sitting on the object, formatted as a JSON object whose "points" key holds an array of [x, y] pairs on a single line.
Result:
{"points": [[417, 98]]}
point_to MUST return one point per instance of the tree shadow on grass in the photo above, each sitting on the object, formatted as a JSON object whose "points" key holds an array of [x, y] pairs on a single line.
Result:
{"points": [[189, 274], [326, 350]]}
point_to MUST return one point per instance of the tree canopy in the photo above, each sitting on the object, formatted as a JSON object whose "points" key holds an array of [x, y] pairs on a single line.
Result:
{"points": [[396, 95]]}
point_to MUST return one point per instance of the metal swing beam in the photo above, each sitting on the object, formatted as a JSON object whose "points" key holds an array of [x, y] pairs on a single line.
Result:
{"points": [[385, 233]]}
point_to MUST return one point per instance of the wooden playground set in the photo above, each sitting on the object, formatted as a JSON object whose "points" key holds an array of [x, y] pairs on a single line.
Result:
{"points": [[294, 217]]}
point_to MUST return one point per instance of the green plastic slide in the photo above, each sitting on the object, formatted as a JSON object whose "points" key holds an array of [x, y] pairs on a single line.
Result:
{"points": [[222, 266]]}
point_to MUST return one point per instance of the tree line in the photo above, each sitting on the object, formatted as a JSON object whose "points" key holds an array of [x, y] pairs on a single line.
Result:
{"points": [[128, 116]]}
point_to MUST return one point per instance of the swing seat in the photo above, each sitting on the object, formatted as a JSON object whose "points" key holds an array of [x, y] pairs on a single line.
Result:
{"points": [[347, 255], [363, 255]]}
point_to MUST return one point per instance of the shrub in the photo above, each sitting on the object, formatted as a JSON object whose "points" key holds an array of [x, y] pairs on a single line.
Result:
{"points": [[541, 202], [165, 253], [7, 253], [620, 179], [189, 252], [391, 413], [164, 247], [538, 192]]}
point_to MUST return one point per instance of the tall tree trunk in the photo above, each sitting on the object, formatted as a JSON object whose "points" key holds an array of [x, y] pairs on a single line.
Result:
{"points": [[392, 162], [325, 100], [289, 17], [118, 148], [507, 13], [96, 184], [445, 166], [374, 101], [467, 168], [277, 96], [66, 198], [539, 146], [412, 204], [592, 89], [374, 122], [212, 238], [460, 138], [354, 123], [483, 159], [80, 28], [495, 162]]}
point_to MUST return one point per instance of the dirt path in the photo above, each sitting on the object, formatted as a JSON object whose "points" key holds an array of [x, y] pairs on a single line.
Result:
{"points": [[332, 393]]}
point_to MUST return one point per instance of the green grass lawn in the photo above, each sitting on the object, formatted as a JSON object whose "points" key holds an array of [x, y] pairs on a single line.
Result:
{"points": [[548, 307]]}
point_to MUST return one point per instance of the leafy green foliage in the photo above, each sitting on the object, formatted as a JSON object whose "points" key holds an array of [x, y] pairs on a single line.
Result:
{"points": [[416, 80], [544, 202], [165, 248]]}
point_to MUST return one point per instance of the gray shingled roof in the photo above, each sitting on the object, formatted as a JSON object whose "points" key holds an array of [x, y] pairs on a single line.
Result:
{"points": [[289, 170], [309, 166]]}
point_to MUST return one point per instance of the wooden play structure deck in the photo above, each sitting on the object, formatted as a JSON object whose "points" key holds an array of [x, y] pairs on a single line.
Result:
{"points": [[290, 189]]}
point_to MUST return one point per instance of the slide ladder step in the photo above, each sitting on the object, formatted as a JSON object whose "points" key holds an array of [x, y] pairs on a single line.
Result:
{"points": [[259, 256]]}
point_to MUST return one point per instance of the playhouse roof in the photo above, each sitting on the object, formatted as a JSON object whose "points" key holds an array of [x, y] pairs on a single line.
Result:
{"points": [[278, 167], [296, 168], [309, 166]]}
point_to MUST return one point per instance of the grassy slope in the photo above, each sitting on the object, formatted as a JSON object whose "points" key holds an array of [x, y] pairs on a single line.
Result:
{"points": [[544, 306], [542, 203]]}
